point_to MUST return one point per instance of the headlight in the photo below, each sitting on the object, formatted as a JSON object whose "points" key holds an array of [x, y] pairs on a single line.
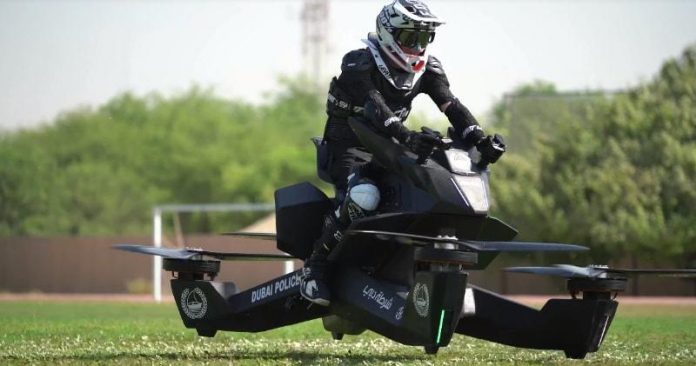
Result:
{"points": [[459, 161], [473, 189]]}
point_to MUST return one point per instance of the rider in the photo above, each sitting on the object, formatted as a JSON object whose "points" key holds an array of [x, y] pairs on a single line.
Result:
{"points": [[377, 84]]}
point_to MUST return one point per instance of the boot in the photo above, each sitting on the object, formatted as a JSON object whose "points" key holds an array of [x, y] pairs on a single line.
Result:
{"points": [[313, 285]]}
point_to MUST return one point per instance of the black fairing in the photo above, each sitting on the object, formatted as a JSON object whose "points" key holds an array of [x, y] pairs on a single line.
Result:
{"points": [[299, 212], [426, 187]]}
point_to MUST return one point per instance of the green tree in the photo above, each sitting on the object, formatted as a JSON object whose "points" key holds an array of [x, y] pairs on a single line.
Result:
{"points": [[619, 176], [100, 171]]}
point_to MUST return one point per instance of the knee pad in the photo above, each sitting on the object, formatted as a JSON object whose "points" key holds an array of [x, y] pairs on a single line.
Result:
{"points": [[361, 200], [365, 195]]}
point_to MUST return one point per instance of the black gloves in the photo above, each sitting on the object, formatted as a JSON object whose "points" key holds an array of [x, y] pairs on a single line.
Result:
{"points": [[491, 148], [421, 143], [472, 136]]}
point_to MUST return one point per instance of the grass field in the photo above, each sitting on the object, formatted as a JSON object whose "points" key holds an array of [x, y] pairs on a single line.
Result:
{"points": [[141, 333]]}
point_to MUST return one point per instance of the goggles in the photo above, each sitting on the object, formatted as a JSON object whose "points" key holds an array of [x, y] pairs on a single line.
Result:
{"points": [[413, 38]]}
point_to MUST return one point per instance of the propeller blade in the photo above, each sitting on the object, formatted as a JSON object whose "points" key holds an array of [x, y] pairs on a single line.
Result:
{"points": [[570, 271], [547, 271], [524, 246], [260, 236], [473, 245], [190, 253], [410, 239], [242, 256], [588, 272], [665, 271], [162, 252]]}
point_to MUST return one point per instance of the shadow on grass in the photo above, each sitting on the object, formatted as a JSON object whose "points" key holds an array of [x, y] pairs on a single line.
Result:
{"points": [[294, 356]]}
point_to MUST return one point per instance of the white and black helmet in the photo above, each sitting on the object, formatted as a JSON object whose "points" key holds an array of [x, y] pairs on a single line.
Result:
{"points": [[404, 30]]}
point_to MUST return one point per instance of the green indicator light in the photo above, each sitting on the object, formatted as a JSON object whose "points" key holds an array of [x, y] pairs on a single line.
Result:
{"points": [[439, 328]]}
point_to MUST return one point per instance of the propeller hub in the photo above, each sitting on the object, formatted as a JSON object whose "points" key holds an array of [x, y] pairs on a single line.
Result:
{"points": [[191, 269], [596, 287]]}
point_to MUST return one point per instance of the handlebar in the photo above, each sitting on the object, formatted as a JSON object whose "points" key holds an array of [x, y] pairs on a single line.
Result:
{"points": [[482, 164]]}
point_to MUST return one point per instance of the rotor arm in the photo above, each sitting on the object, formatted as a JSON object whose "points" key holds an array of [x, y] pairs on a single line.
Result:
{"points": [[575, 327]]}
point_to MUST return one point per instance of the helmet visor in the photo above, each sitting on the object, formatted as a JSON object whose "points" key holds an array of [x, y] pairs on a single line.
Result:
{"points": [[413, 38]]}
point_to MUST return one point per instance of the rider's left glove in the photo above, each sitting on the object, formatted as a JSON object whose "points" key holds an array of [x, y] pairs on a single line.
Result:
{"points": [[421, 143]]}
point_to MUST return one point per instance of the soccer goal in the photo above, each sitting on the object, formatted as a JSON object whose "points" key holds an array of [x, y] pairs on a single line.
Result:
{"points": [[175, 209]]}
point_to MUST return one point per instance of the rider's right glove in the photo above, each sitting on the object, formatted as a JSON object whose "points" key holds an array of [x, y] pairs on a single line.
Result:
{"points": [[491, 148], [421, 143]]}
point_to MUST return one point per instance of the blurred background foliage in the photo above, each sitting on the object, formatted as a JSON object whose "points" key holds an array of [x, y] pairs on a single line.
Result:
{"points": [[100, 172], [614, 171]]}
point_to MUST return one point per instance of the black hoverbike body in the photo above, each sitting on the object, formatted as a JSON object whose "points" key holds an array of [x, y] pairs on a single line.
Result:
{"points": [[402, 273]]}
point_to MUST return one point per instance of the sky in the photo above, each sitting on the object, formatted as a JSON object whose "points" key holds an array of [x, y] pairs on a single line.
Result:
{"points": [[60, 55]]}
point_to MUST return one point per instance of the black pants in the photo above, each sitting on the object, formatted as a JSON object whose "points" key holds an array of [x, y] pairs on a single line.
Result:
{"points": [[346, 160]]}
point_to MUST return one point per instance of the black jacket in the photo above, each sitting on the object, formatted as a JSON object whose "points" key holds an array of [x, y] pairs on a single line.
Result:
{"points": [[362, 90]]}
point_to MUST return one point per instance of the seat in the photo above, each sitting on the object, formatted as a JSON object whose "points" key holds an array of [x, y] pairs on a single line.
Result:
{"points": [[323, 158]]}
